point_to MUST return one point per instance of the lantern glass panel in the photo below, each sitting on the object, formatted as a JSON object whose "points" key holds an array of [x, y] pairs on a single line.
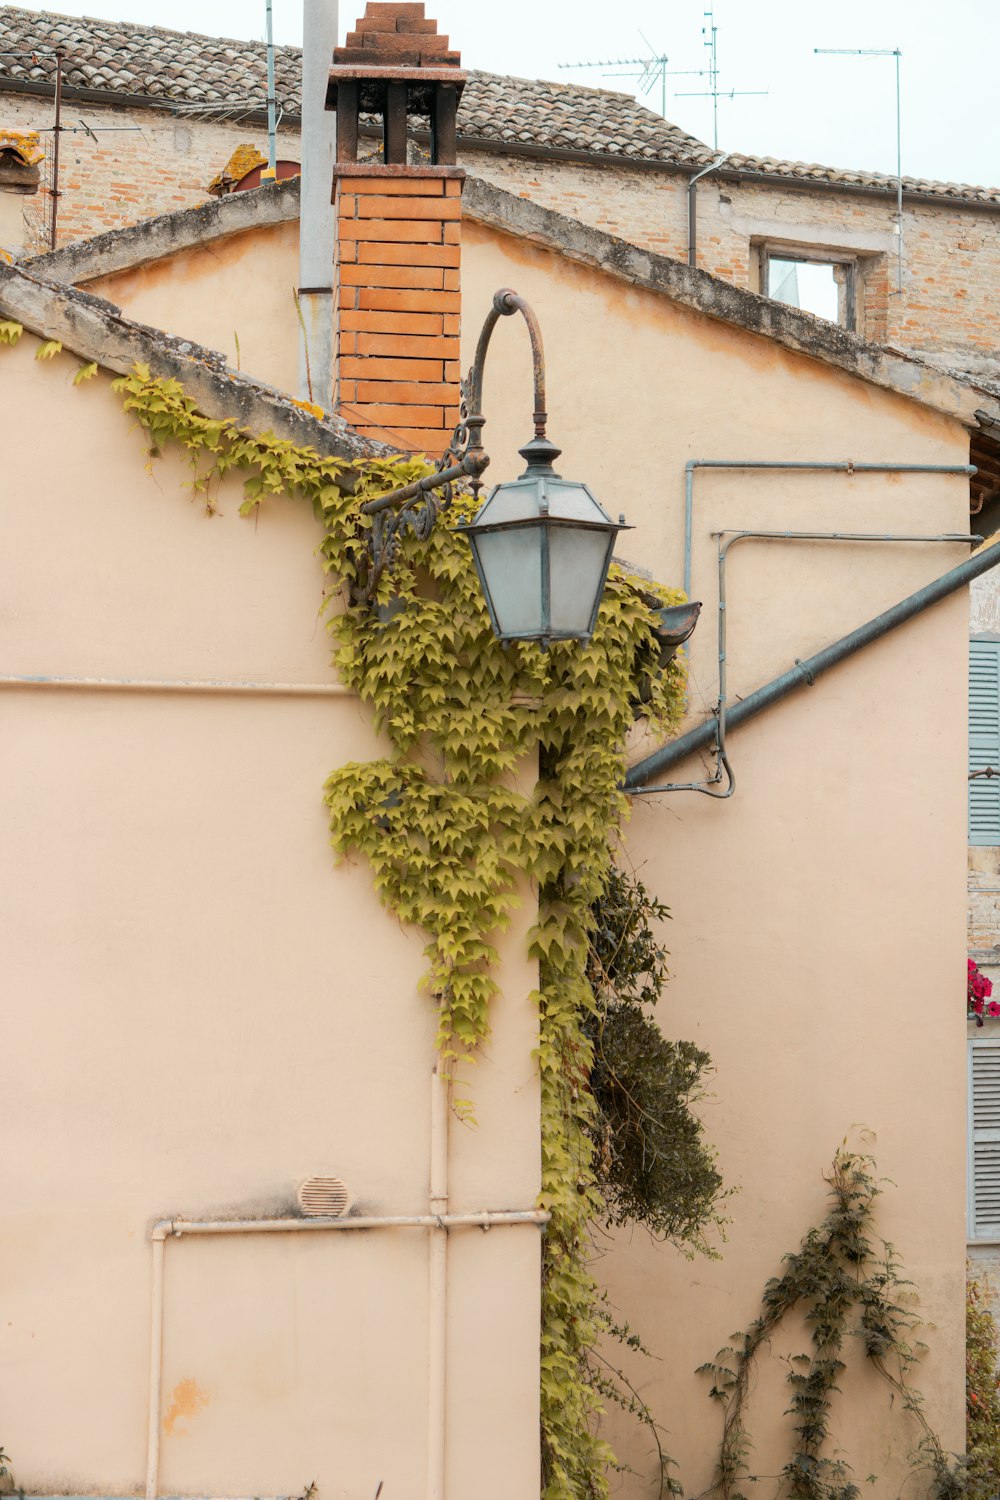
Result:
{"points": [[578, 560], [510, 565]]}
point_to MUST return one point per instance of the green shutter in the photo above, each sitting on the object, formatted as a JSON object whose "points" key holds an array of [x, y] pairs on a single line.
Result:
{"points": [[984, 741]]}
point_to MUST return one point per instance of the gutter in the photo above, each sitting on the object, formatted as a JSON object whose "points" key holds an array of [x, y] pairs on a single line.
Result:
{"points": [[804, 673]]}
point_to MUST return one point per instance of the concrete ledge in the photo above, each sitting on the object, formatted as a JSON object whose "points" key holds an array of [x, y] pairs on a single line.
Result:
{"points": [[954, 393], [95, 329], [950, 392]]}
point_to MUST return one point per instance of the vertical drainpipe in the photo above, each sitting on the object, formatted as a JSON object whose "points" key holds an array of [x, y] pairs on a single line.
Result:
{"points": [[316, 221], [437, 1367], [692, 207]]}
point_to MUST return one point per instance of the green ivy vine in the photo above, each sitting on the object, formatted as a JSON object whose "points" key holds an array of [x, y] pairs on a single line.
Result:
{"points": [[848, 1283], [457, 815]]}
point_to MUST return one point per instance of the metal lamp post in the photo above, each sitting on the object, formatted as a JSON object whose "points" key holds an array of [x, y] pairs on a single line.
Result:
{"points": [[542, 544]]}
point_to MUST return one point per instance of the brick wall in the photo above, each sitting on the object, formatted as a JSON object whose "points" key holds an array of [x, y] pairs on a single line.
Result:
{"points": [[398, 295], [952, 262], [129, 174]]}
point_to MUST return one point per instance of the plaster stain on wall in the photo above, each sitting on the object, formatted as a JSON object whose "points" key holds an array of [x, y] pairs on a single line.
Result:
{"points": [[187, 1399]]}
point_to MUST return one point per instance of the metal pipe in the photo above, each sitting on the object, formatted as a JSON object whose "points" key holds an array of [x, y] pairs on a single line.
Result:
{"points": [[164, 1229], [723, 764], [155, 1369], [57, 129], [315, 301], [272, 128], [437, 1301], [899, 178], [155, 685], [692, 207], [804, 673], [485, 1219], [843, 465]]}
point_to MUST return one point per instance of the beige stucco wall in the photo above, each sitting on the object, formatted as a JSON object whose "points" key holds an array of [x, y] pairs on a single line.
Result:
{"points": [[236, 295], [818, 915], [200, 1010]]}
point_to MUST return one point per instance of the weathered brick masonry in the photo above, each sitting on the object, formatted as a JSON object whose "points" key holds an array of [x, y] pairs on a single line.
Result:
{"points": [[398, 270]]}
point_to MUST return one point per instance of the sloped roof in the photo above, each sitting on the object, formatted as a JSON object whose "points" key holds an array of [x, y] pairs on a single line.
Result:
{"points": [[183, 70], [159, 67]]}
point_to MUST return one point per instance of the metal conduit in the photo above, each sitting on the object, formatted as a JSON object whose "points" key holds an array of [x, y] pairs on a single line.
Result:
{"points": [[804, 673], [842, 466]]}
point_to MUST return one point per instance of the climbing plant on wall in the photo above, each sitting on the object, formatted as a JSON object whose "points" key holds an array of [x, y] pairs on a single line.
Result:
{"points": [[455, 817], [848, 1283]]}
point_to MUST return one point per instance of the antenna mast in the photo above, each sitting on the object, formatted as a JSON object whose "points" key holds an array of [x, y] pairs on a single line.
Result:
{"points": [[650, 69], [713, 92], [897, 54]]}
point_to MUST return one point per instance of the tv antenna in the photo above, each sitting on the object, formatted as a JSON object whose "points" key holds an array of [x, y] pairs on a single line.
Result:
{"points": [[650, 70], [897, 54], [713, 92]]}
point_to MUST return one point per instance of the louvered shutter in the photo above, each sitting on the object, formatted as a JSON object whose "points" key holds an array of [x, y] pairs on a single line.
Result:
{"points": [[984, 1140], [984, 740]]}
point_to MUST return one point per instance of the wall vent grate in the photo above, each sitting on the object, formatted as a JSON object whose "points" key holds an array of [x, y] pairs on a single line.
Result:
{"points": [[324, 1197]]}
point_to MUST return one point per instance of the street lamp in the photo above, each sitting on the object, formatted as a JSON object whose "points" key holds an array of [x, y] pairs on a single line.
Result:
{"points": [[541, 544]]}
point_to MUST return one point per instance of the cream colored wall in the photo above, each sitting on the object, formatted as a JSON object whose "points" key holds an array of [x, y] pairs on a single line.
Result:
{"points": [[200, 1010], [236, 295], [818, 915], [817, 933]]}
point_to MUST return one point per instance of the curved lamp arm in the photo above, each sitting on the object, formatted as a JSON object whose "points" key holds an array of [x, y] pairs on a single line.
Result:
{"points": [[415, 507], [506, 302]]}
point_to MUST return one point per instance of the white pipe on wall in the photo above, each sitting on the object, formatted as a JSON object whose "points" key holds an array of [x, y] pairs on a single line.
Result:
{"points": [[437, 1291], [156, 685], [165, 1229]]}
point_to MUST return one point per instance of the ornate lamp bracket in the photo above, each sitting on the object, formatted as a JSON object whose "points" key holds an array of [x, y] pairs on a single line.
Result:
{"points": [[415, 507]]}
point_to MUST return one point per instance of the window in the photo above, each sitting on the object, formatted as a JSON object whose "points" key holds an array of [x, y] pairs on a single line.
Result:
{"points": [[984, 741], [820, 281], [984, 1140]]}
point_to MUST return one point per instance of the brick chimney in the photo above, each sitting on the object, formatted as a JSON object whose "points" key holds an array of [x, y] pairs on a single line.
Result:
{"points": [[398, 252]]}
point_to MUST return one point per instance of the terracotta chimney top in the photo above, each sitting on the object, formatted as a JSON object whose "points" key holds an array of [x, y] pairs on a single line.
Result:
{"points": [[398, 35], [395, 65]]}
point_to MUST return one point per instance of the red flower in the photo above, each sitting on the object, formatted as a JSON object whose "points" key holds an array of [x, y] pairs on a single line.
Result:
{"points": [[978, 991]]}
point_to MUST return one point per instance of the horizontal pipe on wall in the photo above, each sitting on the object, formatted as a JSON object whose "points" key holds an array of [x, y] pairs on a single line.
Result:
{"points": [[804, 673], [806, 465], [157, 685], [487, 1219]]}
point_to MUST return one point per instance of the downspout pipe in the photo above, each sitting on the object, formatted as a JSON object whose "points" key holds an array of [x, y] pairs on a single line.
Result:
{"points": [[437, 1288], [693, 209], [804, 673], [314, 299]]}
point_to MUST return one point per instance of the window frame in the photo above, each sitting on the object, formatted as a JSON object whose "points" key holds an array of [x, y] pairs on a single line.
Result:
{"points": [[848, 298]]}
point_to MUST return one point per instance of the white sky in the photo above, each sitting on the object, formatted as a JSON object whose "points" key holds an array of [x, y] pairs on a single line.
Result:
{"points": [[840, 111]]}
